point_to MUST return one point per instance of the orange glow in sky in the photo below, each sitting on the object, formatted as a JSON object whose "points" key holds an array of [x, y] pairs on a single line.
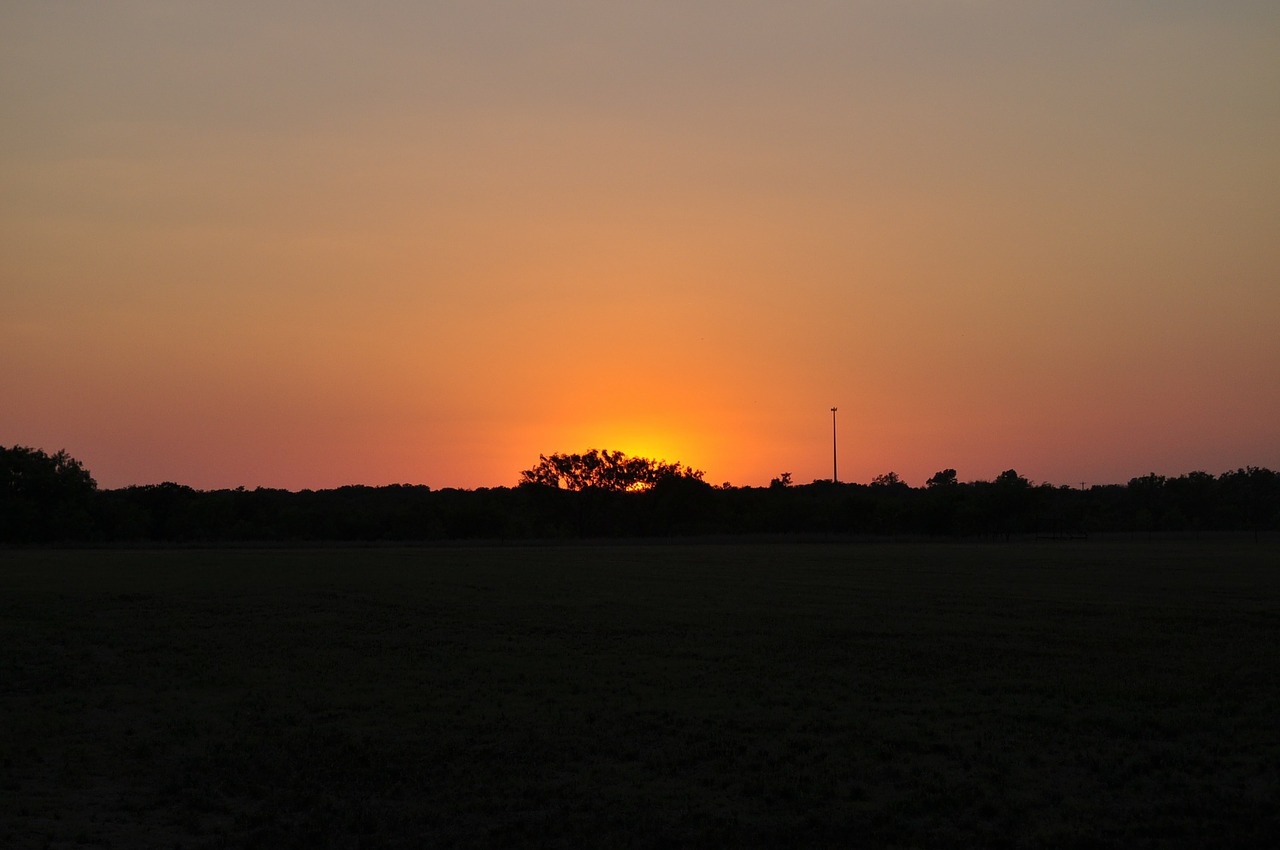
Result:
{"points": [[425, 243]]}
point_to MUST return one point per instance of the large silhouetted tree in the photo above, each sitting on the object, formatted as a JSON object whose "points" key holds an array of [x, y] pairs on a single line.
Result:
{"points": [[603, 470], [945, 478], [43, 497]]}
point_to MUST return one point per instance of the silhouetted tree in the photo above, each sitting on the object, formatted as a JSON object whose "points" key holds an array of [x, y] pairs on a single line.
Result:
{"points": [[945, 478], [603, 470], [1253, 495], [44, 497], [1011, 479], [1007, 503], [941, 503], [1193, 497]]}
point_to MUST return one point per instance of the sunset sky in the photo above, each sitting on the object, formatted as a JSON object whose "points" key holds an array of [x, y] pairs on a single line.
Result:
{"points": [[303, 245]]}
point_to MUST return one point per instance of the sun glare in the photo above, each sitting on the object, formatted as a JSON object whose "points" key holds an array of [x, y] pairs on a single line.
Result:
{"points": [[652, 447], [647, 440]]}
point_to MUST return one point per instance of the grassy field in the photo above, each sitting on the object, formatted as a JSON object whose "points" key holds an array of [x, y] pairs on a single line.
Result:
{"points": [[898, 695]]}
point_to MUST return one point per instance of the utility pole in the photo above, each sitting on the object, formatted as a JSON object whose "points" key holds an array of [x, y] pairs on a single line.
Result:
{"points": [[835, 469]]}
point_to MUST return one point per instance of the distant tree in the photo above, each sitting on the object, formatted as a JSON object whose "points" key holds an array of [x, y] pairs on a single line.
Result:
{"points": [[942, 503], [28, 471], [43, 497], [1149, 483], [1011, 478], [945, 478], [1253, 494], [783, 480], [1193, 497], [603, 470], [1010, 504], [1147, 497], [888, 479]]}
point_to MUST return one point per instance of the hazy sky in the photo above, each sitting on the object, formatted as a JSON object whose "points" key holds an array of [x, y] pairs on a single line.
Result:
{"points": [[311, 244]]}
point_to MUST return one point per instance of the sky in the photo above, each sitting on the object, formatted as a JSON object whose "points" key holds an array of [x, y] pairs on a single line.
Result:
{"points": [[303, 245]]}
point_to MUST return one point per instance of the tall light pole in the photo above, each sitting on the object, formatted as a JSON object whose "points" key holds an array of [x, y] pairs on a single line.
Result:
{"points": [[835, 469]]}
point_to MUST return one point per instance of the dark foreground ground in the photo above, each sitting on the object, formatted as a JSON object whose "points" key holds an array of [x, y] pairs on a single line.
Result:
{"points": [[1026, 694]]}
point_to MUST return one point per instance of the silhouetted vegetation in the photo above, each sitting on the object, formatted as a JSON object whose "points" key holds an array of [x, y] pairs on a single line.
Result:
{"points": [[45, 498], [52, 498], [604, 470]]}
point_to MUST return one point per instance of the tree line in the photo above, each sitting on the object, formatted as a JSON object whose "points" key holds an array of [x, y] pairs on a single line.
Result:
{"points": [[53, 499]]}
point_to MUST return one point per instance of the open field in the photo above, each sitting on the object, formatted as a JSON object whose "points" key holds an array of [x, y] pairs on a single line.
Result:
{"points": [[1052, 693]]}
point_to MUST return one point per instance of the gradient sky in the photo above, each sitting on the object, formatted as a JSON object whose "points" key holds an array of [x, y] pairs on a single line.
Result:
{"points": [[312, 244]]}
